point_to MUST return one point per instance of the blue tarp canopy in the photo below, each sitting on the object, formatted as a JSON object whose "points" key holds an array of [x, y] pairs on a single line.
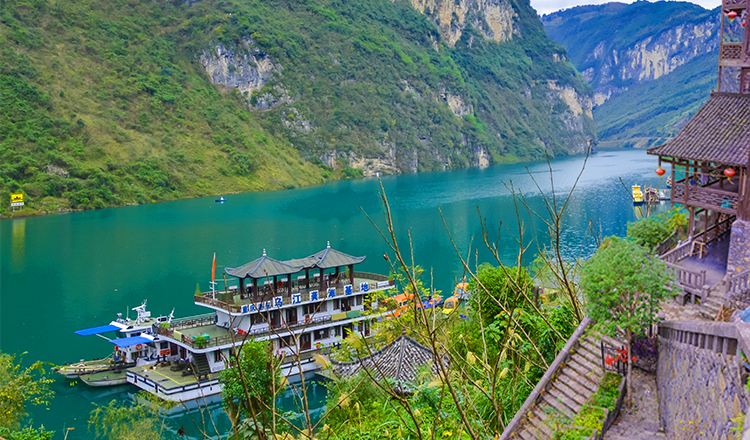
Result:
{"points": [[133, 340], [97, 330]]}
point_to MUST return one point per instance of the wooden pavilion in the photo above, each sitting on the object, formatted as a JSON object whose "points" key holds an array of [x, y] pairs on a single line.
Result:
{"points": [[710, 162]]}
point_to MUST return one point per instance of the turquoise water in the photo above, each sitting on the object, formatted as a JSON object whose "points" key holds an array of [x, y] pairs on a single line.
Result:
{"points": [[62, 273]]}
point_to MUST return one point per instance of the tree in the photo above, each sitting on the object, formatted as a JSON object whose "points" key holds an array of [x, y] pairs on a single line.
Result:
{"points": [[127, 422], [623, 285], [26, 434], [21, 386], [251, 387]]}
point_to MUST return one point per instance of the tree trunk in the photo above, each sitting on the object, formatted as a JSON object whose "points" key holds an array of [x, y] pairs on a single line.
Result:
{"points": [[628, 335], [233, 412]]}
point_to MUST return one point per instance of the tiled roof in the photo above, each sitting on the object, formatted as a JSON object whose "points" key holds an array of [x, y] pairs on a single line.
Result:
{"points": [[397, 361], [326, 259], [263, 267], [719, 132]]}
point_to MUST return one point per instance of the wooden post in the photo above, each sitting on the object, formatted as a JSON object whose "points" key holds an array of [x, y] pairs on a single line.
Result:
{"points": [[321, 283], [242, 287], [289, 284], [351, 274], [255, 288], [338, 270], [307, 278], [691, 223]]}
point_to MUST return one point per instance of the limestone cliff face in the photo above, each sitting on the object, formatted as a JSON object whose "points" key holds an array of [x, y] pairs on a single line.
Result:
{"points": [[246, 68], [648, 59], [494, 18], [636, 43], [577, 111]]}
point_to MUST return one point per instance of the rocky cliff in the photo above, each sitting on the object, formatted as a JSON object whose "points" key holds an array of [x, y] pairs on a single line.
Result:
{"points": [[646, 55], [117, 103], [463, 31]]}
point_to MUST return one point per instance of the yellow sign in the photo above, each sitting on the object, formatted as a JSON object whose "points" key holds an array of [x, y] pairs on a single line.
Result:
{"points": [[16, 199]]}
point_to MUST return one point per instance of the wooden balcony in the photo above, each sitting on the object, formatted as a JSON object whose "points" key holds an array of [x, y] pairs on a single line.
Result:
{"points": [[709, 196], [731, 55], [734, 4]]}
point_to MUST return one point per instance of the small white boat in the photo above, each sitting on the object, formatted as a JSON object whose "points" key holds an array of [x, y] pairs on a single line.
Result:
{"points": [[221, 200]]}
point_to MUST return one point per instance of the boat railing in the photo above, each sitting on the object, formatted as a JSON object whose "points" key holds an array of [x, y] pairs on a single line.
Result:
{"points": [[236, 300], [193, 321]]}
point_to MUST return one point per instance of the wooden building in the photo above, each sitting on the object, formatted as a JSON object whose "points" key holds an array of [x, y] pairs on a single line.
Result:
{"points": [[710, 162]]}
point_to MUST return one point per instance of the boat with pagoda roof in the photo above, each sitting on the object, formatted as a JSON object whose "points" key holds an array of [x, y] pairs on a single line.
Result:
{"points": [[302, 306]]}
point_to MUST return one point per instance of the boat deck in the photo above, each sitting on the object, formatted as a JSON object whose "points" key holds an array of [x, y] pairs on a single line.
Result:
{"points": [[167, 381]]}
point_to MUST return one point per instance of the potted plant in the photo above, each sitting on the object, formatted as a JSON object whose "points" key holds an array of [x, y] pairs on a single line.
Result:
{"points": [[200, 342], [307, 319]]}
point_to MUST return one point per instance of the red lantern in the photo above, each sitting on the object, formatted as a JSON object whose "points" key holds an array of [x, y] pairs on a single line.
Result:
{"points": [[732, 15], [729, 172], [660, 171], [743, 23]]}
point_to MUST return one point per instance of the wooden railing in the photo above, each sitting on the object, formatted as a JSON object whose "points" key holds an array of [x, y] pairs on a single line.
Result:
{"points": [[689, 280], [704, 197], [715, 231], [678, 253], [663, 247]]}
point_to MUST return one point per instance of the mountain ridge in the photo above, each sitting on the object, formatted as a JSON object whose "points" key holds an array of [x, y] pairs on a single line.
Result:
{"points": [[138, 101]]}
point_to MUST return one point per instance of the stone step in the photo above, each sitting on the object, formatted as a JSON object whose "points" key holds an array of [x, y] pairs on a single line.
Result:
{"points": [[582, 380], [595, 368], [595, 376], [541, 426], [536, 428], [572, 393], [567, 401], [592, 354], [552, 402]]}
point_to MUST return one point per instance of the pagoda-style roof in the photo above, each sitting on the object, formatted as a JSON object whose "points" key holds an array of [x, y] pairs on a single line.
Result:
{"points": [[326, 259], [263, 267], [397, 361], [718, 133]]}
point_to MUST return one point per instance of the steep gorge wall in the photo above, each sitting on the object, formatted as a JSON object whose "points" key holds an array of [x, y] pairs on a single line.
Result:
{"points": [[488, 126]]}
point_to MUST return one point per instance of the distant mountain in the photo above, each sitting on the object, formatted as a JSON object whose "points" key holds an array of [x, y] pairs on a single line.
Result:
{"points": [[109, 103], [652, 65]]}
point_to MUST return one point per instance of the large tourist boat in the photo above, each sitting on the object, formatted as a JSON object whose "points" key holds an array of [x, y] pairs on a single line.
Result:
{"points": [[301, 305], [133, 346]]}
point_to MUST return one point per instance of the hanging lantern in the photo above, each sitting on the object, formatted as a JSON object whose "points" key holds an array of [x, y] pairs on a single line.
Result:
{"points": [[732, 15], [660, 171], [743, 23], [729, 172]]}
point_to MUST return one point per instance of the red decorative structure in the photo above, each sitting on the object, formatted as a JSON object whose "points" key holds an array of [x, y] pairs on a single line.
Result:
{"points": [[732, 15], [660, 171], [729, 172]]}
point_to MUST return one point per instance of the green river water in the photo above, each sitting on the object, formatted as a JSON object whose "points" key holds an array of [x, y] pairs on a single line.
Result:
{"points": [[62, 273]]}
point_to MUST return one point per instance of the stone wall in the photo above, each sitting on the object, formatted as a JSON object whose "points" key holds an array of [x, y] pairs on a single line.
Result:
{"points": [[699, 389], [739, 247]]}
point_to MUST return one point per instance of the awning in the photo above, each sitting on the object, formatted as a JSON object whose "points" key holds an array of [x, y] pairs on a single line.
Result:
{"points": [[97, 330], [133, 340]]}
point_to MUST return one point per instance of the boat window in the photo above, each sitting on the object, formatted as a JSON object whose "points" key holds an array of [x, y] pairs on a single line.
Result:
{"points": [[449, 305]]}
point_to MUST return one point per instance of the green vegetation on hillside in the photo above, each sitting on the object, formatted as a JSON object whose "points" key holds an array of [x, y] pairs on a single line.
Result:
{"points": [[641, 112], [108, 104], [657, 110]]}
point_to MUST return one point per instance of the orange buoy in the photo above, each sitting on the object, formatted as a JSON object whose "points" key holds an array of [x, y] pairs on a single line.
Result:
{"points": [[139, 347]]}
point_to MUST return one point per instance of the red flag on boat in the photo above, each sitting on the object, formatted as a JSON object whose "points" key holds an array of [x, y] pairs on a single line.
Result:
{"points": [[213, 270]]}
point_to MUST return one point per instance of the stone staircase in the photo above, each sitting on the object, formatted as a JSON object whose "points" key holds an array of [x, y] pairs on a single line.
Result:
{"points": [[710, 306], [575, 381]]}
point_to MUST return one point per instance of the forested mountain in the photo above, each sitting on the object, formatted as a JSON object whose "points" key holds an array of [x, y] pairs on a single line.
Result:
{"points": [[652, 65], [116, 102]]}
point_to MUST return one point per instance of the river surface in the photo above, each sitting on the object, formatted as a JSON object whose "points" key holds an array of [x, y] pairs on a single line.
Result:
{"points": [[61, 273]]}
